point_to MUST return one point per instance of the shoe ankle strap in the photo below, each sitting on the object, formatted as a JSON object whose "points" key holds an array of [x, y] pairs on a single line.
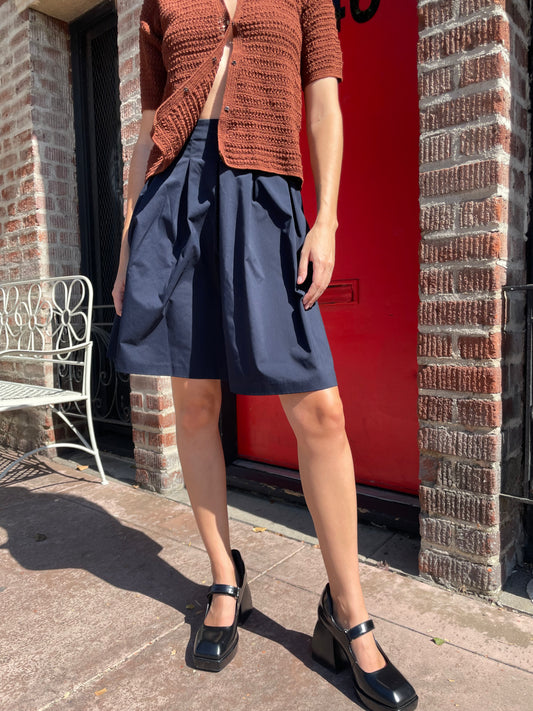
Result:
{"points": [[230, 590], [359, 630]]}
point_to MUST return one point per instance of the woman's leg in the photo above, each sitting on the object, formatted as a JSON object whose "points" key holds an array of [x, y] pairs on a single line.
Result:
{"points": [[327, 474], [197, 404]]}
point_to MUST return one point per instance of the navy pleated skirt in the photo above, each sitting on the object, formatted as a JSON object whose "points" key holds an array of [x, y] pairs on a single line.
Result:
{"points": [[211, 283]]}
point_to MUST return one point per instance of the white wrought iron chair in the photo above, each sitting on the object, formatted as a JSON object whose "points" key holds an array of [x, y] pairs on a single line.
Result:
{"points": [[48, 322]]}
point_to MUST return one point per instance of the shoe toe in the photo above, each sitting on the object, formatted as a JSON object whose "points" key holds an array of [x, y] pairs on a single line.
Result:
{"points": [[214, 642], [388, 687]]}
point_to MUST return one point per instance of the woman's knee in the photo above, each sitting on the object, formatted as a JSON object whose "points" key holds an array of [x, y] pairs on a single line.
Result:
{"points": [[197, 405], [318, 415]]}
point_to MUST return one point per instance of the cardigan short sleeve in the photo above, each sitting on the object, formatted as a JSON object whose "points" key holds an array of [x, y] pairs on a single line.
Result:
{"points": [[321, 50], [153, 74]]}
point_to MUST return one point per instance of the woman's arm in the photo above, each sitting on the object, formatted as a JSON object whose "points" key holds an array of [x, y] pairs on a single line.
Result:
{"points": [[324, 134], [139, 162]]}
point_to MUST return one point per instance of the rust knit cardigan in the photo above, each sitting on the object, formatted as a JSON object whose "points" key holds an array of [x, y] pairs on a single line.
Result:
{"points": [[279, 46]]}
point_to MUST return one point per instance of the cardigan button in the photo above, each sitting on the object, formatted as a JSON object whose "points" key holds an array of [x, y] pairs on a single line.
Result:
{"points": [[226, 109], [214, 60], [185, 90], [234, 62]]}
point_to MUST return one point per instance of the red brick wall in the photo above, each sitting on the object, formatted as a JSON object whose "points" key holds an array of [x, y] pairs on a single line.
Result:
{"points": [[38, 214], [39, 233], [56, 195], [20, 250], [153, 422], [474, 185]]}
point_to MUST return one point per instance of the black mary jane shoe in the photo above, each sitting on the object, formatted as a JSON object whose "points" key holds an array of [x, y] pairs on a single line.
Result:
{"points": [[215, 647], [383, 690]]}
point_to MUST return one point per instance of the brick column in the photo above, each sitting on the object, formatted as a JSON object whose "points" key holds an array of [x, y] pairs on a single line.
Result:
{"points": [[39, 233], [474, 184], [153, 422]]}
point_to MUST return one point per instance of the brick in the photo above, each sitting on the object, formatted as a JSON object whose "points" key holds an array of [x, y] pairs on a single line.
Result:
{"points": [[467, 7], [13, 226], [434, 13], [9, 192], [480, 347], [148, 459], [435, 148], [514, 439], [436, 281], [482, 139], [436, 409], [480, 279], [442, 533], [484, 544], [465, 109], [434, 345], [129, 88], [460, 313], [162, 439], [462, 574], [126, 67], [26, 204], [520, 51], [459, 249], [139, 437], [429, 48], [518, 78], [463, 178], [480, 413], [518, 183], [436, 218], [467, 445], [518, 113], [474, 379], [480, 213], [152, 420], [159, 402], [482, 31], [136, 400], [436, 82], [475, 478], [480, 69], [149, 383], [429, 468], [459, 505], [512, 406]]}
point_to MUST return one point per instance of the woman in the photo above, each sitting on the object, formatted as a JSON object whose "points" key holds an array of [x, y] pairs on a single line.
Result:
{"points": [[218, 275]]}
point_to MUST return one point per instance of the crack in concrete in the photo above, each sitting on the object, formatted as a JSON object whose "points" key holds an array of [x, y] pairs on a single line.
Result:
{"points": [[109, 668]]}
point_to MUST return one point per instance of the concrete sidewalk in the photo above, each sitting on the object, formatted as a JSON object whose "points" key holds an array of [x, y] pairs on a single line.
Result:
{"points": [[102, 590]]}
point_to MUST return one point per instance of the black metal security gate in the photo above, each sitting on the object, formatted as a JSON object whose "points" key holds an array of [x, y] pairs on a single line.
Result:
{"points": [[100, 190]]}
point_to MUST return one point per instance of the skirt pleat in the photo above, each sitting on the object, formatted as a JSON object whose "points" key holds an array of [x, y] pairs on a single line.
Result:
{"points": [[211, 283]]}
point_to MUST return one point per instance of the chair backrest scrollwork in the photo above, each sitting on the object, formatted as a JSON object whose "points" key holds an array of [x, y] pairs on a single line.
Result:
{"points": [[45, 314]]}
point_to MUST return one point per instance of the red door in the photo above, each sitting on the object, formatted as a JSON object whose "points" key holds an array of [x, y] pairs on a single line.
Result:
{"points": [[370, 309]]}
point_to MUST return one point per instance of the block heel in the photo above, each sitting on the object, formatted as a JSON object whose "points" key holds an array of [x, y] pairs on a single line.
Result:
{"points": [[326, 650], [246, 605], [385, 689]]}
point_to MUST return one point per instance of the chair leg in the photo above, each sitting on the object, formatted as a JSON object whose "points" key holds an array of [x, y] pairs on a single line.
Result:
{"points": [[92, 439]]}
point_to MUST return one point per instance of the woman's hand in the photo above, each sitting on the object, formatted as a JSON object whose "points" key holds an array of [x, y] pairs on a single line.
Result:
{"points": [[319, 249], [118, 292], [120, 281]]}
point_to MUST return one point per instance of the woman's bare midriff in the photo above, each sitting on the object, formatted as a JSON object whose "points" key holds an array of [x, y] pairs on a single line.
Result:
{"points": [[213, 104]]}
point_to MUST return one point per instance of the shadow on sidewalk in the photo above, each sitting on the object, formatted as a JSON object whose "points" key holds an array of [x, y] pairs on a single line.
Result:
{"points": [[56, 531]]}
